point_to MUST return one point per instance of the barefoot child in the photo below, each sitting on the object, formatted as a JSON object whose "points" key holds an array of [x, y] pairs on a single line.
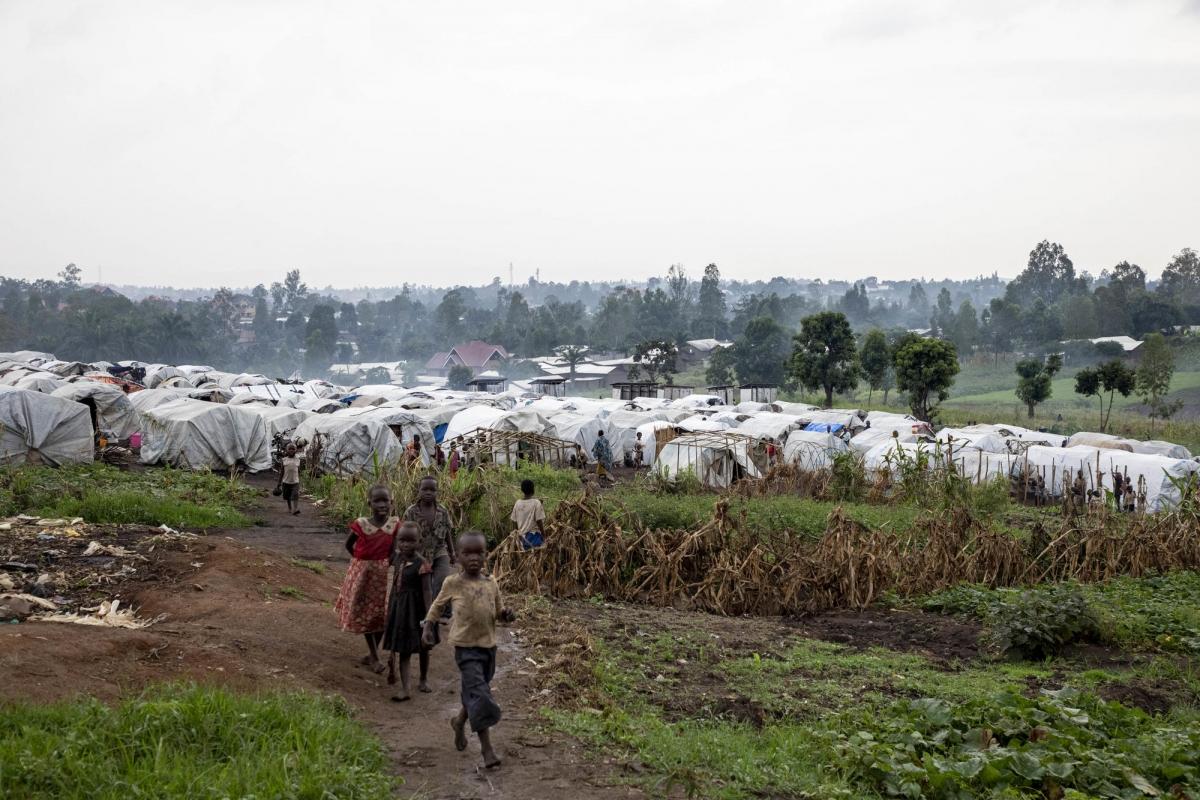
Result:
{"points": [[476, 599], [408, 602], [361, 604], [289, 479]]}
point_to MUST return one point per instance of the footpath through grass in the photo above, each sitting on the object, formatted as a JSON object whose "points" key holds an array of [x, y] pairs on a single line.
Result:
{"points": [[190, 743], [103, 494]]}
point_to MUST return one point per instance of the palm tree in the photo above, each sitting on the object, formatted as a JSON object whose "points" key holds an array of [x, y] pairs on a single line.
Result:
{"points": [[573, 355]]}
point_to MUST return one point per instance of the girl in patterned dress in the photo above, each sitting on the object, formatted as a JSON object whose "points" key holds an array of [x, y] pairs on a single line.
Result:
{"points": [[362, 603]]}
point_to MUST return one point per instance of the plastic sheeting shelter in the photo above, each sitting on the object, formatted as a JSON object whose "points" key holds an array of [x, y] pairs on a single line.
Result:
{"points": [[40, 429], [1106, 441], [1150, 474], [812, 450], [348, 445], [42, 382], [583, 431], [199, 435], [403, 423], [717, 459], [114, 412], [279, 419]]}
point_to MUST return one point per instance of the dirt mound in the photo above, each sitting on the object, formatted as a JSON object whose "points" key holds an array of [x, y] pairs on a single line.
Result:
{"points": [[938, 637], [1153, 697]]}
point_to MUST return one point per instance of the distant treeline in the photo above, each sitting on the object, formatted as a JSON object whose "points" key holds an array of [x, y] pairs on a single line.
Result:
{"points": [[285, 327]]}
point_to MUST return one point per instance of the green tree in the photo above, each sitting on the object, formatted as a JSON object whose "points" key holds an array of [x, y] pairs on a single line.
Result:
{"points": [[710, 311], [654, 359], [448, 317], [720, 368], [965, 331], [1181, 278], [1048, 276], [572, 355], [459, 376], [294, 290], [320, 338], [1035, 380], [760, 354], [71, 276], [876, 359], [925, 370], [1154, 375], [824, 355], [1112, 377], [377, 375]]}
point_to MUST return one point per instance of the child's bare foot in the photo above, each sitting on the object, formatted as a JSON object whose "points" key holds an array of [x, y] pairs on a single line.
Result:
{"points": [[490, 759], [460, 733], [400, 696], [378, 667], [423, 687]]}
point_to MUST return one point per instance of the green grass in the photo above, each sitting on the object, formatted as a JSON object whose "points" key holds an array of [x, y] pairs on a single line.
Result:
{"points": [[190, 743], [102, 494], [761, 515], [312, 566]]}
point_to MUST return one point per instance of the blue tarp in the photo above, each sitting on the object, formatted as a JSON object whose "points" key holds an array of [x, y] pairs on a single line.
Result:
{"points": [[439, 432], [824, 427]]}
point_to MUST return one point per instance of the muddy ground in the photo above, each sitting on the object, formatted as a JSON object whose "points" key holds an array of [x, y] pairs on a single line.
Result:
{"points": [[237, 609]]}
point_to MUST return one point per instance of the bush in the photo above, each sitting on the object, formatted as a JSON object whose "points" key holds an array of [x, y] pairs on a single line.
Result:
{"points": [[1038, 624]]}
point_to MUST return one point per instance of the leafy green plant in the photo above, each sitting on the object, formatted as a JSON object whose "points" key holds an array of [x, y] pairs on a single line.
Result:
{"points": [[1044, 746], [1038, 624]]}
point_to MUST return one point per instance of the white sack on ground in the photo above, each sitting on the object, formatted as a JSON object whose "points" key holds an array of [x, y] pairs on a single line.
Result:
{"points": [[348, 445], [114, 412], [40, 429], [198, 435]]}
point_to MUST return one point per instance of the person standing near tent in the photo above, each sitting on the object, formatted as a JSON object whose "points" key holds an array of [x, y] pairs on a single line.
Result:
{"points": [[455, 460], [639, 452], [529, 516], [412, 453], [603, 455], [437, 533], [289, 479]]}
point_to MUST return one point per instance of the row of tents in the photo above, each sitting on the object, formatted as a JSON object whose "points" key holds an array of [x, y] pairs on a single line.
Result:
{"points": [[51, 412]]}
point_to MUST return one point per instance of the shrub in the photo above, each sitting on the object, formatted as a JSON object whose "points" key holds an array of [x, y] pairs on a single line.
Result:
{"points": [[1037, 624]]}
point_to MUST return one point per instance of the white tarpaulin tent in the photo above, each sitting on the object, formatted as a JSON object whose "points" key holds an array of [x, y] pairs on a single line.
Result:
{"points": [[349, 445], [717, 459], [200, 435], [42, 382], [651, 431], [1152, 474], [812, 449], [403, 423], [279, 419], [865, 441], [149, 399], [41, 429], [989, 442], [114, 413], [582, 430], [769, 425], [1024, 435], [1106, 441]]}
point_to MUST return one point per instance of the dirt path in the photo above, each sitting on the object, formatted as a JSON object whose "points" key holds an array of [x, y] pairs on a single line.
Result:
{"points": [[252, 608]]}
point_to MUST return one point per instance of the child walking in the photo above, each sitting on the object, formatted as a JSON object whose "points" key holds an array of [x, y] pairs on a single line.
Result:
{"points": [[410, 598], [361, 604], [528, 515], [289, 479], [477, 606]]}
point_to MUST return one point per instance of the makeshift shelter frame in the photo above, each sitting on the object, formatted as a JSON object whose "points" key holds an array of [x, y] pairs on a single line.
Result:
{"points": [[723, 440], [503, 447]]}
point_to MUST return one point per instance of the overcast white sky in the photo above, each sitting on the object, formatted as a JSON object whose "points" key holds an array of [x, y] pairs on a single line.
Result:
{"points": [[210, 142]]}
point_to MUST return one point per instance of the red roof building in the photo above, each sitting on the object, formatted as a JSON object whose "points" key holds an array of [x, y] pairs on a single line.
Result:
{"points": [[475, 354]]}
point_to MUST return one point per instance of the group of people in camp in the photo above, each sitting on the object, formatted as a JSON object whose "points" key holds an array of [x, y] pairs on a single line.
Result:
{"points": [[411, 576]]}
